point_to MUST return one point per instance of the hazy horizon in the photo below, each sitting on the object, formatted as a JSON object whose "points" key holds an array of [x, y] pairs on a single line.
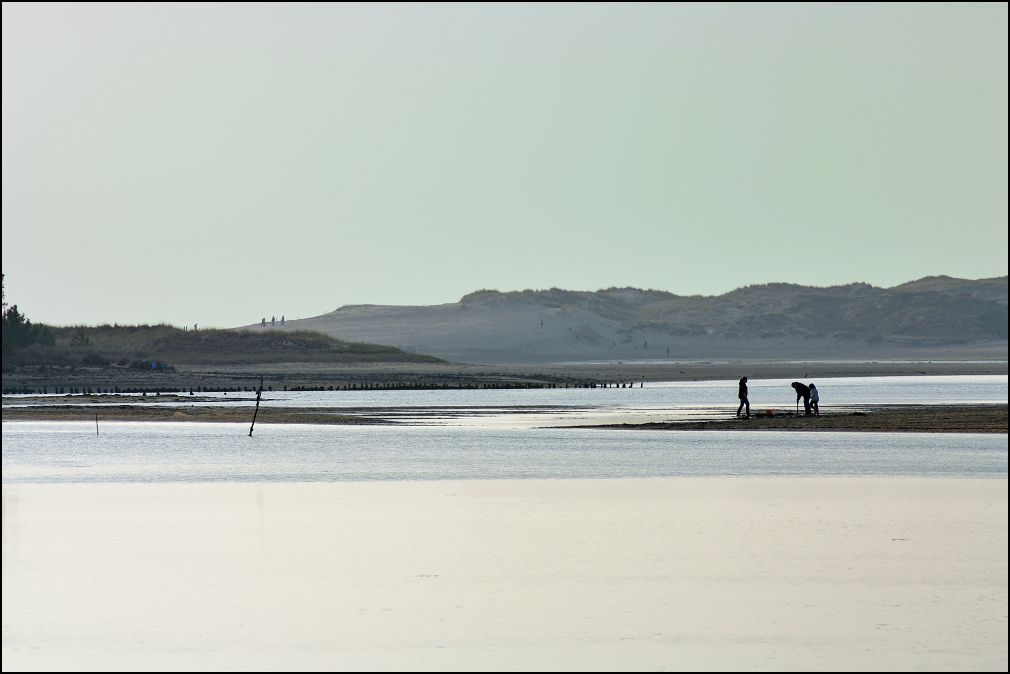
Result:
{"points": [[216, 163]]}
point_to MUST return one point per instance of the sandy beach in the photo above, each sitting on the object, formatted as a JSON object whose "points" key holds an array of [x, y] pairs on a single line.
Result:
{"points": [[656, 574]]}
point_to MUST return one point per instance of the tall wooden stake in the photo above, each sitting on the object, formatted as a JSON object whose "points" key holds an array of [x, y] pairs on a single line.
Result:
{"points": [[96, 423], [259, 392]]}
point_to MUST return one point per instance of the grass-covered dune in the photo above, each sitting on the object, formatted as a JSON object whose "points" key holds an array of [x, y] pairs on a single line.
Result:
{"points": [[159, 346]]}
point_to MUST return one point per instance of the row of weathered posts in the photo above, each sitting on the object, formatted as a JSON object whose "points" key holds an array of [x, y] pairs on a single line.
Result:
{"points": [[359, 386]]}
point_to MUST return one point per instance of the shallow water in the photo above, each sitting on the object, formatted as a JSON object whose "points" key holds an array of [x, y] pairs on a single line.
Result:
{"points": [[480, 434], [189, 452], [381, 565], [845, 391], [656, 401]]}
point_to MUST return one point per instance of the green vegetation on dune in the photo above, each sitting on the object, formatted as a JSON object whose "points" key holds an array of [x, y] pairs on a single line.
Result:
{"points": [[164, 346]]}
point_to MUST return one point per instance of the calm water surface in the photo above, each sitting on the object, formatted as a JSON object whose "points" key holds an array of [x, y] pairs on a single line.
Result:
{"points": [[187, 452]]}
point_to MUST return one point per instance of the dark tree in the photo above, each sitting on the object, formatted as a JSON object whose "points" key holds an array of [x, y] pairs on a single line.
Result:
{"points": [[19, 332]]}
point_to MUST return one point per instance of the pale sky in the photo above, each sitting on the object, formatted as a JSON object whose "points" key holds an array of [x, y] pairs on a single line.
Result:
{"points": [[215, 164]]}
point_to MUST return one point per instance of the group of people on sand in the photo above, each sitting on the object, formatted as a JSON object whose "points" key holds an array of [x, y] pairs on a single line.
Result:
{"points": [[810, 395]]}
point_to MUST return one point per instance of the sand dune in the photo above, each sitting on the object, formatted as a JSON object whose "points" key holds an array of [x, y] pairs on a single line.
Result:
{"points": [[922, 319]]}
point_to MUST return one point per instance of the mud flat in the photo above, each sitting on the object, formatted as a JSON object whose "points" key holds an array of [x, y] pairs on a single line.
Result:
{"points": [[892, 418], [886, 419]]}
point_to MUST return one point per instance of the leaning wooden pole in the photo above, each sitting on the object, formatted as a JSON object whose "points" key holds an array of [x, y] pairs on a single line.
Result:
{"points": [[259, 392]]}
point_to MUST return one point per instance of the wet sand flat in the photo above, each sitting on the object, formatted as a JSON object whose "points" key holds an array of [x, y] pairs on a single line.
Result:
{"points": [[884, 419], [243, 414], [889, 418], [674, 573]]}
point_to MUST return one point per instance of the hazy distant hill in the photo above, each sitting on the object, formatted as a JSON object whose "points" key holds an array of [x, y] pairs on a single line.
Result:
{"points": [[935, 315], [994, 289]]}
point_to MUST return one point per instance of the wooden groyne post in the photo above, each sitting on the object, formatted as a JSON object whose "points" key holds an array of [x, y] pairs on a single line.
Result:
{"points": [[259, 393]]}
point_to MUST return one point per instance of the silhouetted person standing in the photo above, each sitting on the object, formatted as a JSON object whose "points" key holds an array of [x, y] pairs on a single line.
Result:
{"points": [[742, 395], [802, 391], [815, 399]]}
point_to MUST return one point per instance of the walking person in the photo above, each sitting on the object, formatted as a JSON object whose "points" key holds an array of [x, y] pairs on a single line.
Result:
{"points": [[802, 391], [742, 395], [815, 399]]}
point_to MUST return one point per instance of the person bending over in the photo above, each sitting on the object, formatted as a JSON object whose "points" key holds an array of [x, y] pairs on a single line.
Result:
{"points": [[802, 391]]}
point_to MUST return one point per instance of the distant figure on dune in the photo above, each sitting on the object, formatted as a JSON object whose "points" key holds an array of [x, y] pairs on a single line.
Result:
{"points": [[802, 391], [815, 399], [742, 395]]}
